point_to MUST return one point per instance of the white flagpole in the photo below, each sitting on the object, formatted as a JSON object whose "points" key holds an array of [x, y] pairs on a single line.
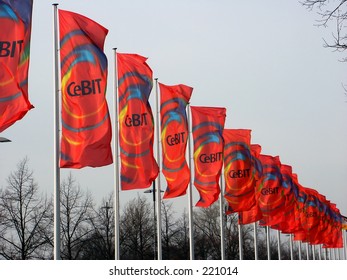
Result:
{"points": [[291, 246], [344, 232], [299, 248], [56, 138], [116, 160], [267, 228], [313, 252], [240, 238], [279, 244], [255, 240], [307, 252], [222, 217], [158, 190], [190, 187]]}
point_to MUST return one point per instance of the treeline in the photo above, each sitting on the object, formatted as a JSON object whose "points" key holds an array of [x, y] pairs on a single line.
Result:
{"points": [[87, 230]]}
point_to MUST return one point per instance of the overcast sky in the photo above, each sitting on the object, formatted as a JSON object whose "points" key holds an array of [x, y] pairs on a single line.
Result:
{"points": [[262, 60]]}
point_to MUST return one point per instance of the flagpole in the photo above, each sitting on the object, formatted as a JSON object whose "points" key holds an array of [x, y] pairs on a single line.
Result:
{"points": [[116, 160], [344, 243], [222, 218], [313, 252], [267, 228], [240, 238], [255, 240], [291, 246], [158, 178], [56, 174], [299, 248], [307, 252], [279, 244], [190, 187]]}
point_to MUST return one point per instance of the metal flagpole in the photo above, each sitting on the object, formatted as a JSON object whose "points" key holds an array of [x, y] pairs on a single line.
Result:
{"points": [[240, 238], [279, 244], [255, 241], [56, 138], [116, 160], [190, 187], [320, 252], [307, 252], [291, 246], [267, 229], [313, 252], [299, 247], [222, 218], [345, 244], [158, 190]]}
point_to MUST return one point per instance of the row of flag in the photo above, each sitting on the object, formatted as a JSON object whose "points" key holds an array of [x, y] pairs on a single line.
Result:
{"points": [[258, 187]]}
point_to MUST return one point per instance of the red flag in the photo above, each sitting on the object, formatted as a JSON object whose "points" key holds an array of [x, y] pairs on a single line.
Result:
{"points": [[15, 24], [288, 225], [136, 130], [238, 170], [271, 195], [86, 126], [174, 136], [254, 214], [207, 128]]}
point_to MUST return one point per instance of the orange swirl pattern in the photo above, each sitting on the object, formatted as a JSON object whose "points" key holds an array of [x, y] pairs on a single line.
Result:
{"points": [[86, 126]]}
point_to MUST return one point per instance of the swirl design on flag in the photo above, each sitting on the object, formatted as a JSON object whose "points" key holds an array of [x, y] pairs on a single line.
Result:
{"points": [[136, 125], [15, 21], [86, 127], [207, 129]]}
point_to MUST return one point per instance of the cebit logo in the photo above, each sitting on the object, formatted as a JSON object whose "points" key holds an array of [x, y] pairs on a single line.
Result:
{"points": [[205, 158], [136, 120], [175, 139], [241, 173], [86, 87], [8, 49], [269, 191]]}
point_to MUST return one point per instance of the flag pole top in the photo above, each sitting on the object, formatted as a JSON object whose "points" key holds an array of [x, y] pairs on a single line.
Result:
{"points": [[114, 49], [55, 4]]}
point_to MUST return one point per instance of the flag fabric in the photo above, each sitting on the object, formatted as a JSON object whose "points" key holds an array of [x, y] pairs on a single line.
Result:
{"points": [[288, 225], [86, 126], [136, 125], [207, 128], [271, 199], [238, 170], [254, 214], [174, 137], [15, 24]]}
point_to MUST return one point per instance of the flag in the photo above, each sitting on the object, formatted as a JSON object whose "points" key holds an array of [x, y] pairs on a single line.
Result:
{"points": [[136, 126], [254, 214], [207, 128], [86, 126], [288, 225], [15, 24], [238, 170], [271, 199], [174, 137]]}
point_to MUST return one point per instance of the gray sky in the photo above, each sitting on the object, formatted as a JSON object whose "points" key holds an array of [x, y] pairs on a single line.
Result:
{"points": [[262, 60]]}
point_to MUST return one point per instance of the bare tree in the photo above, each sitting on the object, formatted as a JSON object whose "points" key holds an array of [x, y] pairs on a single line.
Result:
{"points": [[136, 230], [101, 241], [76, 207], [26, 218], [331, 11], [170, 230]]}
